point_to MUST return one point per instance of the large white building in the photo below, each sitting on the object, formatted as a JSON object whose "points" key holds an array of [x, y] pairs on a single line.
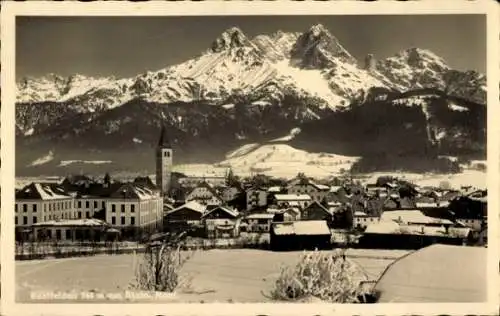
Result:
{"points": [[38, 202], [129, 207], [135, 207]]}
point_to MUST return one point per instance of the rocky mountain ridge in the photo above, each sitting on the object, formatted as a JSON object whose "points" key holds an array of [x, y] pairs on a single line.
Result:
{"points": [[241, 90]]}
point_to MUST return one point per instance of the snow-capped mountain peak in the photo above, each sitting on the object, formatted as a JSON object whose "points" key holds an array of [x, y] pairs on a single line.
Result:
{"points": [[276, 46], [231, 38], [317, 47], [418, 57], [312, 63]]}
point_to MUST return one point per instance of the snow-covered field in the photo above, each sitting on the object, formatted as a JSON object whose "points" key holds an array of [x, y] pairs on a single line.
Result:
{"points": [[237, 275]]}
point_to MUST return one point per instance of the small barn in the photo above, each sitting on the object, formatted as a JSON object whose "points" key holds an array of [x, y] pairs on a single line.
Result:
{"points": [[300, 235]]}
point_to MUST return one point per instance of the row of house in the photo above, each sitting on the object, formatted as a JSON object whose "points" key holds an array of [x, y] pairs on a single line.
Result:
{"points": [[81, 204]]}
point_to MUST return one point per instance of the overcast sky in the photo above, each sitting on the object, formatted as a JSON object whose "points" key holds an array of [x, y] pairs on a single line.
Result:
{"points": [[127, 46]]}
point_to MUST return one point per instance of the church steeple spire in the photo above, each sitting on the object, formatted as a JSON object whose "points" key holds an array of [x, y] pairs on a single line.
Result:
{"points": [[164, 161]]}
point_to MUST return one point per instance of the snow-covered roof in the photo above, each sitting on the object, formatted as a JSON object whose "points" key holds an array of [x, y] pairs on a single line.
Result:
{"points": [[302, 228], [192, 205], [412, 216], [73, 222], [274, 189], [292, 197], [426, 204], [435, 276], [321, 187], [360, 214], [311, 228], [260, 216], [283, 229], [382, 227], [334, 203], [228, 210], [42, 192], [335, 189], [389, 227]]}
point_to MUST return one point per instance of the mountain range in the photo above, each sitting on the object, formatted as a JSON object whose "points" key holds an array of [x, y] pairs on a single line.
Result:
{"points": [[245, 90]]}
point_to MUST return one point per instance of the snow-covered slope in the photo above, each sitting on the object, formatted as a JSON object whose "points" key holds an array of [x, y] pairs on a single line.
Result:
{"points": [[282, 160], [414, 68]]}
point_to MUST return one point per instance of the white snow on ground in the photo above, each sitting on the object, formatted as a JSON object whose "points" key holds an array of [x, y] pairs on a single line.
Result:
{"points": [[261, 103], [456, 107], [473, 178], [65, 163], [243, 150], [200, 170], [228, 106], [137, 140], [43, 160], [285, 161], [294, 132], [29, 132]]}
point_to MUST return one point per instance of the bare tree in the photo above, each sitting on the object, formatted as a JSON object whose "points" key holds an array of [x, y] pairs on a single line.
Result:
{"points": [[160, 265]]}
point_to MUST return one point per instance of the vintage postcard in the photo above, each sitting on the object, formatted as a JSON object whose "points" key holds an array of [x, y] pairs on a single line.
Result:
{"points": [[187, 158]]}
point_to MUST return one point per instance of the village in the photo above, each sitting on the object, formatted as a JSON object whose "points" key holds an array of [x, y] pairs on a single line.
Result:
{"points": [[259, 211]]}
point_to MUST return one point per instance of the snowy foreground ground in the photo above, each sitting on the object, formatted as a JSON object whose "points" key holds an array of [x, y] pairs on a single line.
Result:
{"points": [[216, 275]]}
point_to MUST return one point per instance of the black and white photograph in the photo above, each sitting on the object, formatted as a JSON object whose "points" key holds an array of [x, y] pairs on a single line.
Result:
{"points": [[295, 158]]}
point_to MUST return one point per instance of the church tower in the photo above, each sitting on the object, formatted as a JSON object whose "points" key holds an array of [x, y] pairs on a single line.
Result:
{"points": [[164, 158]]}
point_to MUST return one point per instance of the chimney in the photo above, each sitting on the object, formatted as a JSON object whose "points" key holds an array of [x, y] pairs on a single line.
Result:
{"points": [[370, 62]]}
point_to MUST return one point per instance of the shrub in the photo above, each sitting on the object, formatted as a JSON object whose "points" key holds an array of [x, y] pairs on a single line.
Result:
{"points": [[159, 268], [327, 276]]}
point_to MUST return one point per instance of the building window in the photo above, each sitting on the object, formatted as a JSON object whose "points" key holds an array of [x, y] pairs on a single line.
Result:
{"points": [[132, 208], [25, 220], [123, 220], [132, 220], [95, 204], [103, 204], [123, 208], [15, 218], [16, 208], [88, 214], [113, 208], [34, 219], [79, 214], [87, 204], [79, 204], [68, 234], [25, 208], [34, 208], [167, 154], [113, 220]]}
